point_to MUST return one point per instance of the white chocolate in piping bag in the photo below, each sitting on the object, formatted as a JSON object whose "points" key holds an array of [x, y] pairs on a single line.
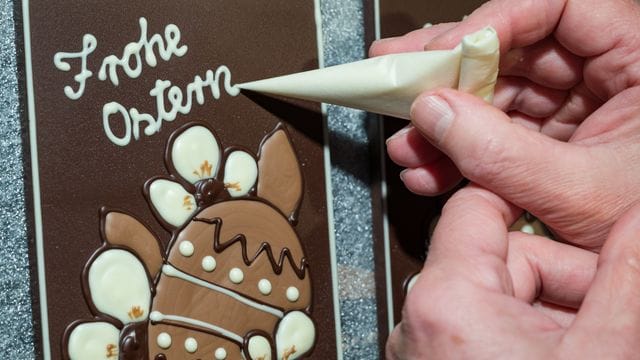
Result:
{"points": [[389, 84]]}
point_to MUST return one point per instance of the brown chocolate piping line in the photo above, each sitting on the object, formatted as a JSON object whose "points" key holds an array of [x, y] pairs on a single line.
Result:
{"points": [[134, 341], [264, 247]]}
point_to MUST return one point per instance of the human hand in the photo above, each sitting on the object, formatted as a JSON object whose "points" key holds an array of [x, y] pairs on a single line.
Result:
{"points": [[488, 294], [570, 71]]}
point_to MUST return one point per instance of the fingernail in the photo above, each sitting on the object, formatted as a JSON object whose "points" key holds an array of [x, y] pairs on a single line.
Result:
{"points": [[432, 115], [398, 134], [403, 173]]}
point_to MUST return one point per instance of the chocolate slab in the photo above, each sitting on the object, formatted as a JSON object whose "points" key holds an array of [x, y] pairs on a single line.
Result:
{"points": [[410, 218], [83, 162]]}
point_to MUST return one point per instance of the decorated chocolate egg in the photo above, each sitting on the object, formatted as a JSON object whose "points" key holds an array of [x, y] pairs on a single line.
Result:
{"points": [[233, 282]]}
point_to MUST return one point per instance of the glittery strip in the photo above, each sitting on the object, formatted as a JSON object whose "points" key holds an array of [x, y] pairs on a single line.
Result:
{"points": [[344, 41], [16, 341]]}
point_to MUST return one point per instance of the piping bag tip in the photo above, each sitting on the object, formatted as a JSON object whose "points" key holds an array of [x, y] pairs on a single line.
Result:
{"points": [[389, 84]]}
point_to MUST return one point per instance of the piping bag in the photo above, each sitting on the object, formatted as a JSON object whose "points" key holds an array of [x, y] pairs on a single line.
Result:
{"points": [[389, 84]]}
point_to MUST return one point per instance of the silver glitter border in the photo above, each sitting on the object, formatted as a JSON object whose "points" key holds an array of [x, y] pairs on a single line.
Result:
{"points": [[17, 340]]}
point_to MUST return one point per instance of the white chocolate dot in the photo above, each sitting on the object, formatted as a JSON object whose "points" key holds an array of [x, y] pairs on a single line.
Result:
{"points": [[220, 353], [264, 286], [191, 345], [208, 263], [293, 294], [527, 229], [236, 275], [186, 248], [164, 340]]}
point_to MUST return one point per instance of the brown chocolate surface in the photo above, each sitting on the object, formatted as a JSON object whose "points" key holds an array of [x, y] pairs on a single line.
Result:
{"points": [[80, 170], [242, 228], [123, 229], [281, 179], [410, 216]]}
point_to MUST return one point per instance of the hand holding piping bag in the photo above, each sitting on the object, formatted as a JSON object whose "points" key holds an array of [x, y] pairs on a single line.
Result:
{"points": [[563, 137], [562, 141], [485, 293]]}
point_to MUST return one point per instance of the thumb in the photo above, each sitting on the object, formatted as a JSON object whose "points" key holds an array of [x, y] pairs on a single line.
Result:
{"points": [[610, 311], [490, 150]]}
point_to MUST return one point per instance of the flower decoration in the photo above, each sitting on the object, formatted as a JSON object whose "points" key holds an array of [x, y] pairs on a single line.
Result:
{"points": [[118, 287], [94, 340], [194, 157]]}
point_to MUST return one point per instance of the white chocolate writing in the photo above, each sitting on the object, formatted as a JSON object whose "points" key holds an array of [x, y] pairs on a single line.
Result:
{"points": [[180, 102], [112, 62], [170, 100], [89, 44], [167, 47]]}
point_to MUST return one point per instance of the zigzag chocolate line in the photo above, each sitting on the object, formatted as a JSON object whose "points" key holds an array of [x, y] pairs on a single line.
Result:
{"points": [[264, 247]]}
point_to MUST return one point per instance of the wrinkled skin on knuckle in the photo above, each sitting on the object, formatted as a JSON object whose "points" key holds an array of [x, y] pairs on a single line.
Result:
{"points": [[585, 207], [573, 214]]}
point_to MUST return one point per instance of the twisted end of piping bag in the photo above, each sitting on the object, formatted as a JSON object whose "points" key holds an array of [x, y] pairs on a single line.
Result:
{"points": [[388, 84]]}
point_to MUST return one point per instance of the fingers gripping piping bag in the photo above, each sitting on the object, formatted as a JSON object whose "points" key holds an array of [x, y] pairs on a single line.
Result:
{"points": [[389, 84]]}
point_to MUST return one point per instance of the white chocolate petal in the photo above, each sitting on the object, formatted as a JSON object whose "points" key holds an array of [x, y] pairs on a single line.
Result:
{"points": [[119, 286], [240, 173], [295, 332], [172, 202], [259, 348], [195, 154], [94, 341]]}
